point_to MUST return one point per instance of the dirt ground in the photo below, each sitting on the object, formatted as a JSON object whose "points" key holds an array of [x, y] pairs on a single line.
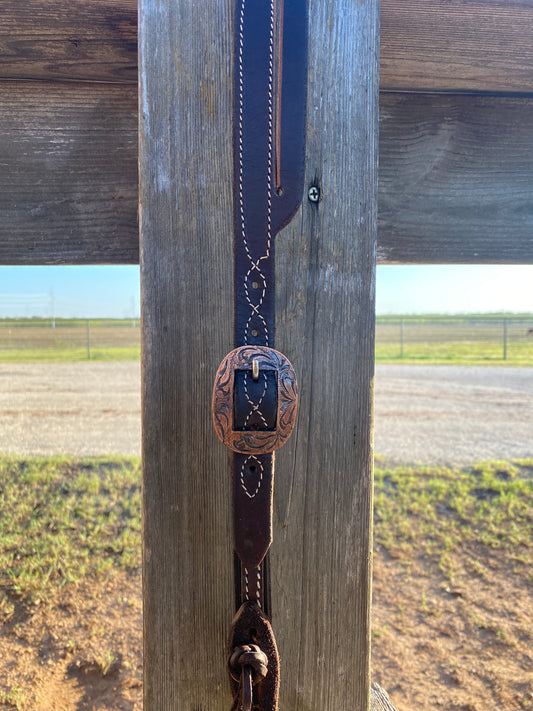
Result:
{"points": [[464, 644], [461, 645], [83, 653]]}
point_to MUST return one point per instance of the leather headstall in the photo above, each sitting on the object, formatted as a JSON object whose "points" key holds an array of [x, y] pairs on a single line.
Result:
{"points": [[255, 393]]}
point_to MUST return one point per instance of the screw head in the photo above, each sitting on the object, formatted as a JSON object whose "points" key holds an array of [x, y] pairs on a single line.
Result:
{"points": [[313, 193]]}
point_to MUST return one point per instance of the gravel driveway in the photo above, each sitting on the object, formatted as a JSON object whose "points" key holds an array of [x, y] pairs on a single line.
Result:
{"points": [[70, 408], [453, 414], [429, 414]]}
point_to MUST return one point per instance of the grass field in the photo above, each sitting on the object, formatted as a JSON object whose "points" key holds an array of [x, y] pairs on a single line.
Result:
{"points": [[445, 509], [31, 340], [471, 339], [65, 519], [452, 608], [455, 353]]}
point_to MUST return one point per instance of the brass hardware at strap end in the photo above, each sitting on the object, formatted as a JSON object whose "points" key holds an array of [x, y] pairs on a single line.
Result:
{"points": [[255, 369]]}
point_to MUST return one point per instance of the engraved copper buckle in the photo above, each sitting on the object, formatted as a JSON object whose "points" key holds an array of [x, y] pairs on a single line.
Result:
{"points": [[256, 363]]}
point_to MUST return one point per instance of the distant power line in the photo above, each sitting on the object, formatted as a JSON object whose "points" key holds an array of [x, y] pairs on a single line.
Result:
{"points": [[36, 304], [48, 305], [23, 297]]}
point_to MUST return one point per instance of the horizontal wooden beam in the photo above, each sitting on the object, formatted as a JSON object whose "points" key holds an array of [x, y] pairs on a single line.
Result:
{"points": [[426, 45], [457, 45], [455, 180], [69, 40], [455, 176], [68, 173]]}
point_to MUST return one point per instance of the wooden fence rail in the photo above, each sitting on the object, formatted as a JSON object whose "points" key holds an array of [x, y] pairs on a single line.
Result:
{"points": [[455, 176], [426, 45]]}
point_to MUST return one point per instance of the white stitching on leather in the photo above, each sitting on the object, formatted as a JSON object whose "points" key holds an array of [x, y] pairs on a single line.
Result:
{"points": [[254, 407], [241, 166], [247, 591], [255, 265], [258, 465]]}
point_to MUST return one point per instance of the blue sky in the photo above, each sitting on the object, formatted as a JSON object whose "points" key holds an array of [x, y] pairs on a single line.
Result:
{"points": [[454, 289], [83, 291], [113, 291]]}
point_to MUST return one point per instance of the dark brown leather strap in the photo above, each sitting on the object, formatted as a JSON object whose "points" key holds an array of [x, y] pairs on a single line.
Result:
{"points": [[269, 144], [255, 396]]}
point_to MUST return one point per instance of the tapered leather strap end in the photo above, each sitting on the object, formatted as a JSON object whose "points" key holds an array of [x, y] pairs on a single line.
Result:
{"points": [[253, 485]]}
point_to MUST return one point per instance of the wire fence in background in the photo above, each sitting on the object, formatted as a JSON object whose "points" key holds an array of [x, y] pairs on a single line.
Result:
{"points": [[400, 339], [69, 339], [458, 338]]}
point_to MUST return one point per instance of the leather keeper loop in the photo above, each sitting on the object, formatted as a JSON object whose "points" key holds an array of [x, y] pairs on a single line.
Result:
{"points": [[250, 627]]}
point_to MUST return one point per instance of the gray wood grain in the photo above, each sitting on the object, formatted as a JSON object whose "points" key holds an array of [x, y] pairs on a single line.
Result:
{"points": [[455, 177], [450, 45], [68, 173], [379, 699], [69, 40], [324, 323], [186, 178], [320, 564], [455, 180], [457, 45]]}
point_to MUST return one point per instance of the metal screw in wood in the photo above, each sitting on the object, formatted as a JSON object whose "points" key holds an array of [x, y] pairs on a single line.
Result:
{"points": [[313, 193]]}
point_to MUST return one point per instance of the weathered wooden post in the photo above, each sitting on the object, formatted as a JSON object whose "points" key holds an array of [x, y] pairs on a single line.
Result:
{"points": [[320, 558]]}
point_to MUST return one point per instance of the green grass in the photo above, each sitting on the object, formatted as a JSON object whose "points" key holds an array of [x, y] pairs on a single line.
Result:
{"points": [[67, 355], [468, 339], [456, 353], [494, 316], [429, 339], [34, 340], [63, 520], [60, 322], [444, 510]]}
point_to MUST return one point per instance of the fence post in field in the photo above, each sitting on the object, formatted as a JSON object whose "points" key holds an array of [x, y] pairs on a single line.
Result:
{"points": [[320, 557], [505, 339], [401, 338], [52, 310], [88, 339]]}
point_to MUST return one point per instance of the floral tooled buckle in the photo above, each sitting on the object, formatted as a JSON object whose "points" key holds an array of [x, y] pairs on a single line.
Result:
{"points": [[255, 398]]}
